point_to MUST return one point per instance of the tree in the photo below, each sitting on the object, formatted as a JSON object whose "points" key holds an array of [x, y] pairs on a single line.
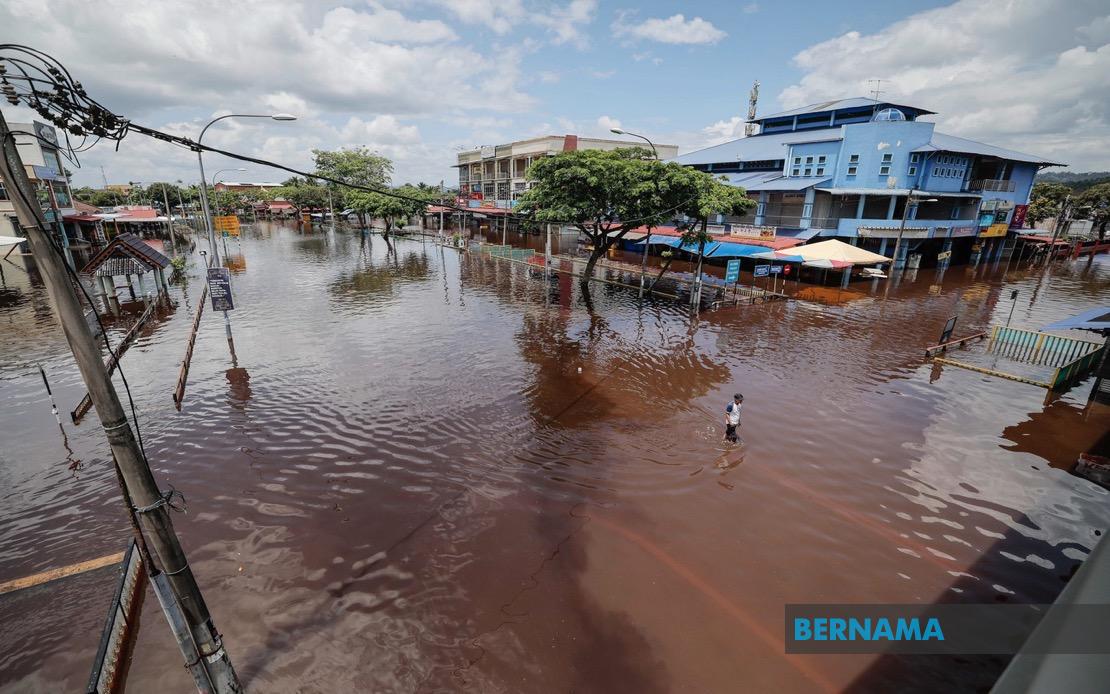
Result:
{"points": [[1045, 201], [604, 194], [392, 210], [358, 166], [303, 195], [100, 198], [1094, 204]]}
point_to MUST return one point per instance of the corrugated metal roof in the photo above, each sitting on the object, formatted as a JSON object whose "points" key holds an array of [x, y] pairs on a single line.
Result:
{"points": [[950, 143], [130, 247], [918, 192], [840, 104], [789, 183], [757, 147], [749, 178]]}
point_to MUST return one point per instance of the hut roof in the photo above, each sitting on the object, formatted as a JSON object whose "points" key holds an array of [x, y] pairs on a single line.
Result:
{"points": [[126, 254]]}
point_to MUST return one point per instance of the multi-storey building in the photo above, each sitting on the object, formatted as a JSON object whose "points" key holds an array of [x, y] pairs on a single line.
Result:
{"points": [[849, 168], [494, 175]]}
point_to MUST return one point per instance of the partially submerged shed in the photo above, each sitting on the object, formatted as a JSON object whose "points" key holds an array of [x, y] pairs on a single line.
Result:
{"points": [[127, 255]]}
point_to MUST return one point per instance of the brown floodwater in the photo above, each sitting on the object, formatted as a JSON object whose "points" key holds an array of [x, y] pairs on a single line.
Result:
{"points": [[429, 471]]}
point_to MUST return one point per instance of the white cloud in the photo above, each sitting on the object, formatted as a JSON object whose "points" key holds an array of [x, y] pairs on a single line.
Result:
{"points": [[608, 123], [1026, 75], [602, 74], [724, 130], [548, 76], [563, 22], [675, 29], [566, 22], [750, 8]]}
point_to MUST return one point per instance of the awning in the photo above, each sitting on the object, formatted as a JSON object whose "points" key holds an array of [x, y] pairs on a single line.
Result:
{"points": [[885, 192], [727, 249], [831, 253], [629, 235], [785, 183], [11, 240], [1097, 319], [800, 234], [81, 218]]}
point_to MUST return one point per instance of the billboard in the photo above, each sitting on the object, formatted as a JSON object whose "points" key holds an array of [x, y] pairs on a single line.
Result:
{"points": [[487, 151], [752, 231], [892, 232], [1018, 220], [995, 230]]}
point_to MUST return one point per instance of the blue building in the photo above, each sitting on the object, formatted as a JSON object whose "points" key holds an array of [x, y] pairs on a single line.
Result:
{"points": [[847, 169]]}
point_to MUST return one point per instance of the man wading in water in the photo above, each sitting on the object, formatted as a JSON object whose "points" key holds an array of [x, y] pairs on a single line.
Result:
{"points": [[732, 417]]}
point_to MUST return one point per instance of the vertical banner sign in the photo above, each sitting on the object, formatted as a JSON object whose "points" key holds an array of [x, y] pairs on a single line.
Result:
{"points": [[1018, 220], [946, 335], [219, 288], [732, 273]]}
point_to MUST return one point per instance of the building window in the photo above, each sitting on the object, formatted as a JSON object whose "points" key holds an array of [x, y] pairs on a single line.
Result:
{"points": [[797, 161], [851, 171], [853, 159], [3, 192], [884, 170], [887, 157], [820, 171], [794, 172], [809, 160], [821, 160], [915, 158], [912, 171], [809, 171]]}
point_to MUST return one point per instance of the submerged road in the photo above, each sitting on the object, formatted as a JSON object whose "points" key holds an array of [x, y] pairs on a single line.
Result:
{"points": [[426, 471]]}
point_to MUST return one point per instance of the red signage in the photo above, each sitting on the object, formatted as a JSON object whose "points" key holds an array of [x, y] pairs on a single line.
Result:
{"points": [[1018, 220]]}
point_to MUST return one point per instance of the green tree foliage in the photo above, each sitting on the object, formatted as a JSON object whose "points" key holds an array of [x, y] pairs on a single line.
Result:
{"points": [[606, 194], [100, 198], [1094, 204], [356, 166], [1045, 201], [393, 211], [227, 202], [302, 196]]}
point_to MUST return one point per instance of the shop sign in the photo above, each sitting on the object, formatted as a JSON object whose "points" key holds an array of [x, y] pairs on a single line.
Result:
{"points": [[1018, 220], [892, 232], [752, 231], [958, 232], [995, 230]]}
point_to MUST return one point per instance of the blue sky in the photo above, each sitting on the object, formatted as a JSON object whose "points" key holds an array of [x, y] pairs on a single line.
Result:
{"points": [[418, 79]]}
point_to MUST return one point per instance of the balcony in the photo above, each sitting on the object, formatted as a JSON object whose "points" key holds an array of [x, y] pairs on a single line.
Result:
{"points": [[997, 185]]}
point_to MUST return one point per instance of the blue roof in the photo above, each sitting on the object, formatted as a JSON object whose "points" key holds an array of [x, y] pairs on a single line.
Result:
{"points": [[790, 183], [713, 249], [841, 105], [950, 143], [1097, 319], [757, 147]]}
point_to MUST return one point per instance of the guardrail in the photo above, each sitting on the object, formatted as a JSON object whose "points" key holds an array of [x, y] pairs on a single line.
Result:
{"points": [[113, 361], [183, 374]]}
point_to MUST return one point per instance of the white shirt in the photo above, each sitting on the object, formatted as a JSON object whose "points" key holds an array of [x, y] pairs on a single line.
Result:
{"points": [[733, 411]]}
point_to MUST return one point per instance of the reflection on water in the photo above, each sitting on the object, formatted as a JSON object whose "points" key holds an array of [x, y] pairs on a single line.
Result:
{"points": [[429, 471]]}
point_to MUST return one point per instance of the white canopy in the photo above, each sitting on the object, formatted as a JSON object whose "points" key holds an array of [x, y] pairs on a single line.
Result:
{"points": [[10, 240], [831, 253]]}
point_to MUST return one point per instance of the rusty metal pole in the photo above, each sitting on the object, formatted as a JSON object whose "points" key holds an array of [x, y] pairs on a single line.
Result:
{"points": [[152, 506]]}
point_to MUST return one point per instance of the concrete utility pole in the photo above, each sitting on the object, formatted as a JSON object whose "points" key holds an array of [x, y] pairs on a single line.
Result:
{"points": [[202, 643], [169, 219]]}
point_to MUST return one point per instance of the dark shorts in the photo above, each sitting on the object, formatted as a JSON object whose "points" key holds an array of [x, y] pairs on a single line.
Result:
{"points": [[730, 431]]}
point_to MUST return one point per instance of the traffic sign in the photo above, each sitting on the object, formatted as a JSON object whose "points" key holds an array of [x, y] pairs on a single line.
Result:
{"points": [[776, 269], [219, 288], [732, 273], [227, 223], [762, 270]]}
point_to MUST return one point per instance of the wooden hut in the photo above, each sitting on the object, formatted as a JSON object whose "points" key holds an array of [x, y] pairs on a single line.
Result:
{"points": [[127, 255]]}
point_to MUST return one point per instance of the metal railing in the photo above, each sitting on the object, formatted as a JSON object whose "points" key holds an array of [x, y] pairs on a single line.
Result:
{"points": [[992, 184]]}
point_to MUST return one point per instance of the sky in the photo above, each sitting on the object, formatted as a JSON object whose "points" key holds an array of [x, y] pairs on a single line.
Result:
{"points": [[418, 80]]}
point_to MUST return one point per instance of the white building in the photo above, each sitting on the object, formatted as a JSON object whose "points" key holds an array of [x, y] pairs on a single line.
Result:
{"points": [[38, 147], [494, 174]]}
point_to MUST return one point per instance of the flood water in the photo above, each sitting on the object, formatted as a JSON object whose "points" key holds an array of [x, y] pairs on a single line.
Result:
{"points": [[428, 471]]}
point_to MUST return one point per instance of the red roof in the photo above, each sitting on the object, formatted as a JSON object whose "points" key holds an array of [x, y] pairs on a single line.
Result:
{"points": [[81, 218], [136, 212]]}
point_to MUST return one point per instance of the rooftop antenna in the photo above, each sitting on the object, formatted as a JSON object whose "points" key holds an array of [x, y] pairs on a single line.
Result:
{"points": [[749, 128], [876, 91]]}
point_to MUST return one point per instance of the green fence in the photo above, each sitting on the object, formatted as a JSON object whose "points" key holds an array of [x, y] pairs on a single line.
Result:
{"points": [[1033, 347]]}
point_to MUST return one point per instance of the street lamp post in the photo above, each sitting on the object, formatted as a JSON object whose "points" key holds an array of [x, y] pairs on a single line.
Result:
{"points": [[647, 239], [205, 209]]}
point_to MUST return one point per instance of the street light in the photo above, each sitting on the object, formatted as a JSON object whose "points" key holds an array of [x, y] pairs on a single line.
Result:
{"points": [[902, 227], [647, 239], [203, 181], [217, 174]]}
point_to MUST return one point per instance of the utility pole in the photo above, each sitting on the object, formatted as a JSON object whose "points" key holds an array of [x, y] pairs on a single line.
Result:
{"points": [[169, 220], [201, 644]]}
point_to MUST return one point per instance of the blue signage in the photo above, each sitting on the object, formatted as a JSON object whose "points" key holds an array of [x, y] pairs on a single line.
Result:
{"points": [[732, 273], [762, 270], [776, 269]]}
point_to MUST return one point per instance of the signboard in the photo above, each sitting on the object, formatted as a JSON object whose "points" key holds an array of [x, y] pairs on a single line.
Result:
{"points": [[985, 220], [946, 334], [776, 269], [1018, 220], [964, 231], [762, 270], [944, 255], [732, 272], [752, 231], [219, 288], [995, 230], [229, 224], [46, 132], [715, 228], [487, 151], [892, 232]]}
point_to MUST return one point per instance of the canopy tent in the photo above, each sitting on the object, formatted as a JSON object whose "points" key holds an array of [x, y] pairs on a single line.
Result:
{"points": [[1097, 319], [10, 240], [828, 254]]}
